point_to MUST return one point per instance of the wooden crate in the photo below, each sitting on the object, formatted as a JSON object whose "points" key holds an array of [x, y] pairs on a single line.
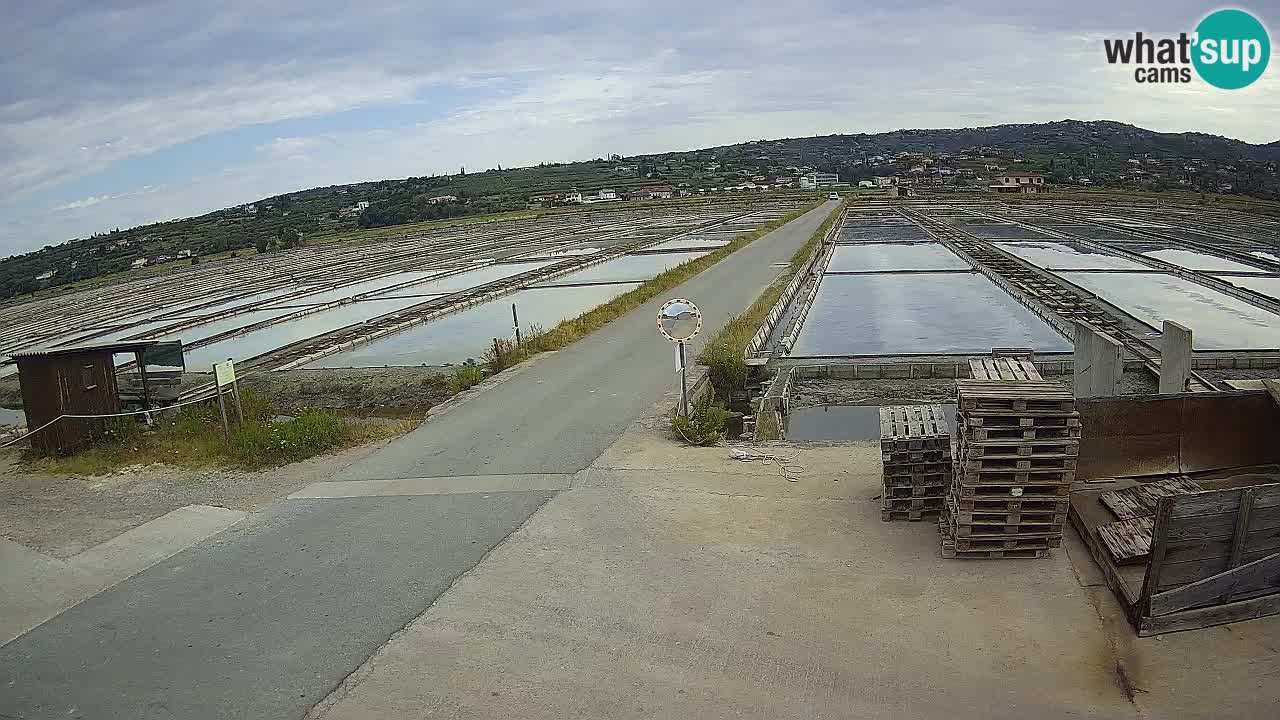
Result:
{"points": [[1214, 558]]}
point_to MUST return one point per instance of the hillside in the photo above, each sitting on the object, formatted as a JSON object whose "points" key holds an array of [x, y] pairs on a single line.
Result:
{"points": [[1108, 154]]}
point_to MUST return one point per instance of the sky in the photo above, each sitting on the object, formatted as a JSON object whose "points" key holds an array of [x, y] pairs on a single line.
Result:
{"points": [[117, 113]]}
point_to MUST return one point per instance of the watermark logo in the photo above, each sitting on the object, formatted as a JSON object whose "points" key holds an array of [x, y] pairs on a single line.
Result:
{"points": [[1229, 49]]}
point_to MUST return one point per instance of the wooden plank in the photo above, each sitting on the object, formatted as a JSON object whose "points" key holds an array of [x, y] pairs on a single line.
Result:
{"points": [[1257, 575], [1127, 540], [1177, 574], [1242, 527], [1207, 527], [1140, 500], [1004, 371], [1185, 551], [1237, 611], [1217, 502], [1159, 546]]}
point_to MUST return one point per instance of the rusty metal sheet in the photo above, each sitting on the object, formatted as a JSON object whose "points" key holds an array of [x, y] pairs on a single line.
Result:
{"points": [[1223, 430], [1171, 434], [1129, 437]]}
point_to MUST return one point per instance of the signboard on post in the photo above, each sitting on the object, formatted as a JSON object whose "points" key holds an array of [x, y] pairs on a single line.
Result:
{"points": [[679, 320], [225, 373]]}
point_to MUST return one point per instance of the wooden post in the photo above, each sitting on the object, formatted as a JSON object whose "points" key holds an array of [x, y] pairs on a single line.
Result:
{"points": [[516, 320], [222, 406], [235, 394], [139, 357]]}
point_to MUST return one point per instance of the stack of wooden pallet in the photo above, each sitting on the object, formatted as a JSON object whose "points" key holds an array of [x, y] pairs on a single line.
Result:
{"points": [[916, 450], [1018, 442]]}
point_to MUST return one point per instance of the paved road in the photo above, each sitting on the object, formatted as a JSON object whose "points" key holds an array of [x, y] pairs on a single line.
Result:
{"points": [[264, 620], [560, 416]]}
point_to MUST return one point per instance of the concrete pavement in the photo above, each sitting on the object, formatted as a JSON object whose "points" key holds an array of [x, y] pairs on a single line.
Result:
{"points": [[675, 582], [261, 621], [266, 619]]}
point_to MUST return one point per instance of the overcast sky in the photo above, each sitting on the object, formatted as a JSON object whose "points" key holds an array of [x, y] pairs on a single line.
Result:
{"points": [[115, 113]]}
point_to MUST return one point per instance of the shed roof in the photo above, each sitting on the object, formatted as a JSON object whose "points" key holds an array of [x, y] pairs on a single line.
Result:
{"points": [[118, 347]]}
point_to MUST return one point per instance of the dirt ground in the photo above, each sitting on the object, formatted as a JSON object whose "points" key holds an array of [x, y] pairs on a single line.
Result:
{"points": [[63, 515]]}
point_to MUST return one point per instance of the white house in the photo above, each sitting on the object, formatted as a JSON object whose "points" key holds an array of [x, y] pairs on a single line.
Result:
{"points": [[442, 199], [573, 196], [140, 262], [1018, 181], [866, 184], [46, 275], [362, 206], [818, 179]]}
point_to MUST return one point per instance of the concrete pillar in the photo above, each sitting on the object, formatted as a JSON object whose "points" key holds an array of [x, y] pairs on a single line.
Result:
{"points": [[1108, 365], [1175, 358], [1082, 360], [1099, 363]]}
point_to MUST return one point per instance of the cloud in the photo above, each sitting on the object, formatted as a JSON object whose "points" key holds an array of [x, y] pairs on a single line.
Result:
{"points": [[90, 201], [83, 202], [157, 88]]}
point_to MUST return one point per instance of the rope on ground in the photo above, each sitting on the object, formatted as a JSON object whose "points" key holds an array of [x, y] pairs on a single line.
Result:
{"points": [[788, 468]]}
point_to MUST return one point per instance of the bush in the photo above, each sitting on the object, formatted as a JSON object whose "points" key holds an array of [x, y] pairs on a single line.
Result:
{"points": [[272, 443], [468, 375], [705, 424], [726, 367]]}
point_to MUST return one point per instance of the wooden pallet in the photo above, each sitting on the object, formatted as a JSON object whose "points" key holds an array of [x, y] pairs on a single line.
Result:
{"points": [[914, 428], [966, 544], [978, 419], [1006, 503], [915, 456], [1007, 463], [1017, 490], [970, 525], [923, 491], [1020, 448], [949, 551], [913, 504], [1029, 398], [1128, 541], [935, 468], [1007, 517], [1019, 433], [1015, 477], [909, 515], [1140, 500], [1003, 369]]}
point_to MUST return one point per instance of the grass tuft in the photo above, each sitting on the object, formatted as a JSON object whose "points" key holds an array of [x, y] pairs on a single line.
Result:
{"points": [[192, 437]]}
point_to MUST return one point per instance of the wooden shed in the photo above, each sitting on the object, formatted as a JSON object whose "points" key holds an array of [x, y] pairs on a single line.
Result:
{"points": [[70, 381]]}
